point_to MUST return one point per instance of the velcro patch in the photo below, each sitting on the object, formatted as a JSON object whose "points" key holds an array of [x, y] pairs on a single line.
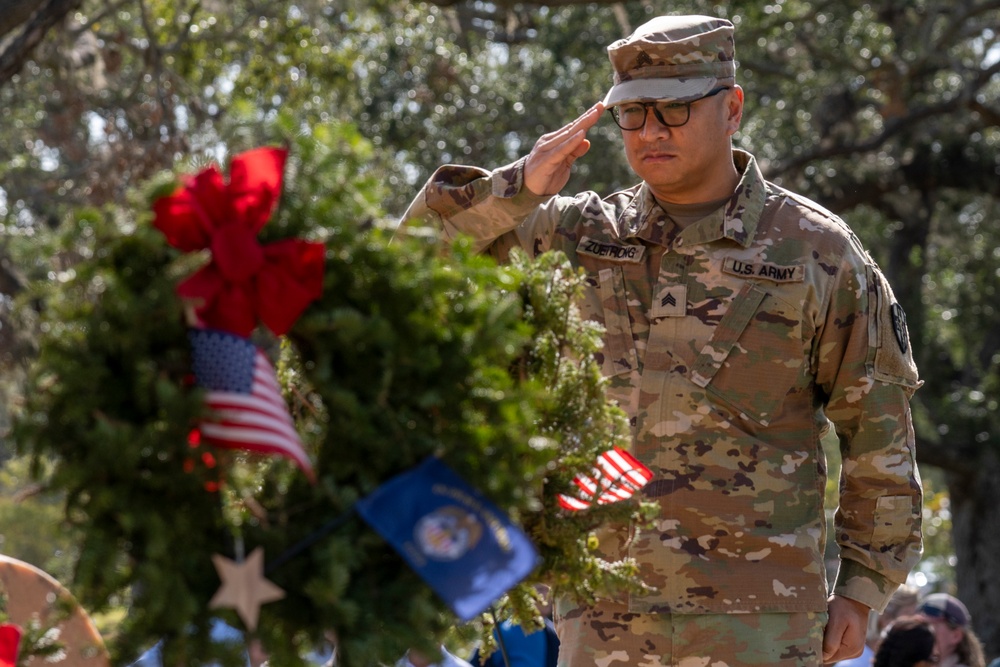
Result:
{"points": [[777, 273], [899, 327], [670, 301], [893, 357], [615, 252]]}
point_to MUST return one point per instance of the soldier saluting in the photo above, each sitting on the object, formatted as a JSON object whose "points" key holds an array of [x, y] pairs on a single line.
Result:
{"points": [[742, 321]]}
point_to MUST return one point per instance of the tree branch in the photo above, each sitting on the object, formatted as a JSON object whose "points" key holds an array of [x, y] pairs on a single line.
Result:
{"points": [[15, 12], [893, 127], [17, 51]]}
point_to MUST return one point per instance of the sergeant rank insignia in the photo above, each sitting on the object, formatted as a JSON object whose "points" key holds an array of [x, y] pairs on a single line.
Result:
{"points": [[669, 301]]}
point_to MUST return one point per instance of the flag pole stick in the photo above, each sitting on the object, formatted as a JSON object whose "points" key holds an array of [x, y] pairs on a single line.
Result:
{"points": [[309, 540], [500, 641]]}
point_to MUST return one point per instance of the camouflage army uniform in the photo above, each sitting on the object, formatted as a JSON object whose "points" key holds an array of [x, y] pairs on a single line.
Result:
{"points": [[732, 344]]}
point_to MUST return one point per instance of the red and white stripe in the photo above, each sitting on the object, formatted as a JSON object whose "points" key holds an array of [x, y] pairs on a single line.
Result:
{"points": [[258, 421], [617, 476]]}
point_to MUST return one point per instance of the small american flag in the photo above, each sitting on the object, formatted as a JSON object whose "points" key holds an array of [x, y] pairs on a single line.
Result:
{"points": [[617, 476], [248, 411]]}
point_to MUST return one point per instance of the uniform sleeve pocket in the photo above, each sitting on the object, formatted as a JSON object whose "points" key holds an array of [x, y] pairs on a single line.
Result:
{"points": [[893, 518], [619, 347]]}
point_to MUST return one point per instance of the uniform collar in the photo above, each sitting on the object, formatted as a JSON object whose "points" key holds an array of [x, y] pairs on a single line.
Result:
{"points": [[737, 220]]}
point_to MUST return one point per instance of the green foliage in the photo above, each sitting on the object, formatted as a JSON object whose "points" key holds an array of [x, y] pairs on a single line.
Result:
{"points": [[407, 354], [31, 528], [109, 409], [937, 567], [577, 417]]}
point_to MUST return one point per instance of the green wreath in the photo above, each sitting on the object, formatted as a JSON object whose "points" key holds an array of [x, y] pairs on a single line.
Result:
{"points": [[407, 353]]}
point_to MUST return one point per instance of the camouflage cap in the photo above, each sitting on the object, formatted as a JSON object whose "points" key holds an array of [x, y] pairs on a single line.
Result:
{"points": [[672, 58]]}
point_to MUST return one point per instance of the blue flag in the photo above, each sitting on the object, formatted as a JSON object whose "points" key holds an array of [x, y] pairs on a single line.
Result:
{"points": [[466, 549]]}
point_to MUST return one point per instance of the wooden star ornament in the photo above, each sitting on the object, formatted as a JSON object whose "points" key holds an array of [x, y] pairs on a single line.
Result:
{"points": [[244, 587]]}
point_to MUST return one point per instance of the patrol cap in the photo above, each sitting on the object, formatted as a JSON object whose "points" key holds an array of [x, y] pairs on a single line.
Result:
{"points": [[948, 607], [672, 58]]}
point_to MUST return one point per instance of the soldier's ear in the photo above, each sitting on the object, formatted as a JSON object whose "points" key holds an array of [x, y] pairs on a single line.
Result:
{"points": [[734, 105]]}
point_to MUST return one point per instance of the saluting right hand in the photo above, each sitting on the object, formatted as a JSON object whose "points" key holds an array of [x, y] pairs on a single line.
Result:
{"points": [[548, 167]]}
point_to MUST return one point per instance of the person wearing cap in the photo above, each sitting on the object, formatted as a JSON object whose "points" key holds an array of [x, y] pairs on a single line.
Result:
{"points": [[741, 322], [958, 645]]}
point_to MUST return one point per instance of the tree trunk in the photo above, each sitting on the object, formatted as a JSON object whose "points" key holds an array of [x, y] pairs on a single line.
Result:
{"points": [[975, 534]]}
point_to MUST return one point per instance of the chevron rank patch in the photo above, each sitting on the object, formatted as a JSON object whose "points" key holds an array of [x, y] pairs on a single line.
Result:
{"points": [[669, 301]]}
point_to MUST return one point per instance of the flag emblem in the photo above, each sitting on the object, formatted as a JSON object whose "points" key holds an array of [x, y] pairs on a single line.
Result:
{"points": [[247, 409], [617, 476], [447, 533]]}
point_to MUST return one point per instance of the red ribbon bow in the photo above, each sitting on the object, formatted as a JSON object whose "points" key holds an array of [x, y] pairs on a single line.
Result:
{"points": [[245, 281], [10, 640]]}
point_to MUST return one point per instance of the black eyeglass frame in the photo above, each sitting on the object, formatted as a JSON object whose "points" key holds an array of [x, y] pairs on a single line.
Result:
{"points": [[656, 112]]}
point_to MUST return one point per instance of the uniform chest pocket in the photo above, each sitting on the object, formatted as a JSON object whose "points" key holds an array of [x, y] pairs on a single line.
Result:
{"points": [[754, 356]]}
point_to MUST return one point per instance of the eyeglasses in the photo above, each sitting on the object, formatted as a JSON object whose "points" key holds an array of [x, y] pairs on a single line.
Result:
{"points": [[632, 115]]}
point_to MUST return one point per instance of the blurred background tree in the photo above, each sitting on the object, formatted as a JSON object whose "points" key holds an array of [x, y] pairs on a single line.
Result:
{"points": [[885, 112]]}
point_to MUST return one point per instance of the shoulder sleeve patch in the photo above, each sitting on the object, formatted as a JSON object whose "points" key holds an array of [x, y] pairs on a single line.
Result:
{"points": [[893, 354]]}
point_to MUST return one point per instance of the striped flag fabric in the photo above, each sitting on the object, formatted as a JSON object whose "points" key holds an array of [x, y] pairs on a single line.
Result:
{"points": [[247, 409], [617, 476]]}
